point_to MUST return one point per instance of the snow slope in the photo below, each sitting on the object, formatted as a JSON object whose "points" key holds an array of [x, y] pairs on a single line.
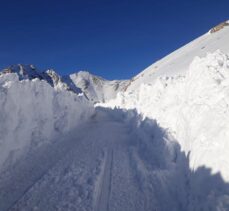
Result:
{"points": [[178, 61]]}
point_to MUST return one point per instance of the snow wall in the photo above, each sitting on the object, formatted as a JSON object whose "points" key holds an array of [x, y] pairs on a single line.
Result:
{"points": [[33, 113], [194, 108]]}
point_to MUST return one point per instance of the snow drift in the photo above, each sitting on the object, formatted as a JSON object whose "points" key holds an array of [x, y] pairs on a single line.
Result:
{"points": [[33, 113], [95, 88]]}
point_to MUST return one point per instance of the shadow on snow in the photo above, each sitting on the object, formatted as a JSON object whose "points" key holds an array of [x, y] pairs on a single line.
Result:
{"points": [[163, 171]]}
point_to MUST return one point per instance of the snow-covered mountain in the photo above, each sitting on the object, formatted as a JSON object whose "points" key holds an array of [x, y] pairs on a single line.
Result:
{"points": [[156, 142], [95, 88]]}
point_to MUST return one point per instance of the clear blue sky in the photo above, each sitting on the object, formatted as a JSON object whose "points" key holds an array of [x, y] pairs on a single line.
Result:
{"points": [[110, 38]]}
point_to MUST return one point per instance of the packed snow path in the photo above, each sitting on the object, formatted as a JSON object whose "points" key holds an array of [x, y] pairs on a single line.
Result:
{"points": [[90, 172]]}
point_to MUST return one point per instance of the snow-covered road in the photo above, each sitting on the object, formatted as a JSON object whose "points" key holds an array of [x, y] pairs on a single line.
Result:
{"points": [[114, 162], [89, 171]]}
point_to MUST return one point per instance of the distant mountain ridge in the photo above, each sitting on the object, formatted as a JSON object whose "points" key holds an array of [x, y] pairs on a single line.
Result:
{"points": [[31, 72], [95, 88]]}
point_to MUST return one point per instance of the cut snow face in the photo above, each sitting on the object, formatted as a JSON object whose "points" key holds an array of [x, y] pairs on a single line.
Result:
{"points": [[32, 113], [177, 63]]}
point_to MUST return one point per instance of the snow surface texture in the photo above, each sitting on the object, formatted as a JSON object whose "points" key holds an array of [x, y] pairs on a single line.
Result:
{"points": [[32, 113], [193, 107]]}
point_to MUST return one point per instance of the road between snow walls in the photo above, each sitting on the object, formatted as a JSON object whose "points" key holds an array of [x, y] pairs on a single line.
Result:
{"points": [[60, 153], [114, 161]]}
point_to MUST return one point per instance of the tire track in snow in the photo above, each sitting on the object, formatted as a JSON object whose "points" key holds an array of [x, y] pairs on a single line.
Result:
{"points": [[104, 189]]}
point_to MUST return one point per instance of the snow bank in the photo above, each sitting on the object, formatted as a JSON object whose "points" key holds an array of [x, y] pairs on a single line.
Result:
{"points": [[194, 107], [32, 113]]}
